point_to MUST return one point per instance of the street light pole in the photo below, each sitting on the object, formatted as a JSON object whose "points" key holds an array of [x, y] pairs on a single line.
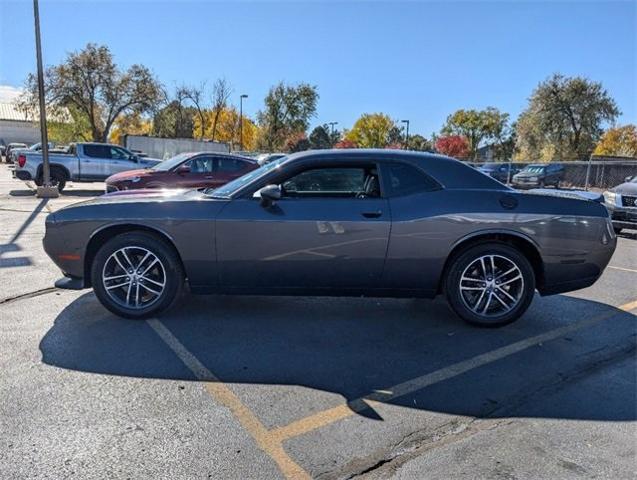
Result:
{"points": [[406, 122], [45, 190], [243, 95]]}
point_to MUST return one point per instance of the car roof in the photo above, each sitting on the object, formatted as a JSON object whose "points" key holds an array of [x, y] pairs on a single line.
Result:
{"points": [[221, 154], [450, 172]]}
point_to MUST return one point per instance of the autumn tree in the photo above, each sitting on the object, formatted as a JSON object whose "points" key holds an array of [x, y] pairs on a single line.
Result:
{"points": [[91, 82], [477, 126], [564, 119], [75, 127], [454, 146], [227, 125], [345, 143], [373, 130], [196, 96], [619, 142], [221, 92], [133, 124], [288, 109], [297, 142]]}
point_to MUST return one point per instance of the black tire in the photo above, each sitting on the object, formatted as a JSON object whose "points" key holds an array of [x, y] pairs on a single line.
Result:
{"points": [[459, 302], [58, 179], [617, 230], [170, 264]]}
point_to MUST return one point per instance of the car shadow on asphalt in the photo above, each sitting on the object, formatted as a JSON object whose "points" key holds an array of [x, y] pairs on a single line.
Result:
{"points": [[11, 246], [356, 347]]}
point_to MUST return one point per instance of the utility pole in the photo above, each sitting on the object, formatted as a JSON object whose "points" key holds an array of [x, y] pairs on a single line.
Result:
{"points": [[406, 122], [45, 190], [241, 121]]}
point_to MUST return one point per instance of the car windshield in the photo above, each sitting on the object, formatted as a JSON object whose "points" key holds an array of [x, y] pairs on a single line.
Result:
{"points": [[171, 162], [230, 188], [534, 169]]}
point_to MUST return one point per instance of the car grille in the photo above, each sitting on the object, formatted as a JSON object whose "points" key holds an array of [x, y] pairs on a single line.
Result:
{"points": [[629, 201]]}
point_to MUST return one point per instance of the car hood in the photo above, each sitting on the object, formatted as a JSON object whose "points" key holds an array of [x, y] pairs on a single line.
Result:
{"points": [[628, 188], [528, 174], [128, 174]]}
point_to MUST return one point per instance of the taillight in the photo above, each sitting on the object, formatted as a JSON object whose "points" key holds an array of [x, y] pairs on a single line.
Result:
{"points": [[22, 159]]}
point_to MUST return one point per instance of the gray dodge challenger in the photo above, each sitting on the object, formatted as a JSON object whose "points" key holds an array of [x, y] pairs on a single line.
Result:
{"points": [[336, 222]]}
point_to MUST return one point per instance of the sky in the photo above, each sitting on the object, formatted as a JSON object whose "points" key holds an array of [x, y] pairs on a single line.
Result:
{"points": [[413, 60]]}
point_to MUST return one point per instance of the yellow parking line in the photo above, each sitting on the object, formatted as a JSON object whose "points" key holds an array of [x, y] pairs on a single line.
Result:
{"points": [[223, 395], [326, 417], [623, 269]]}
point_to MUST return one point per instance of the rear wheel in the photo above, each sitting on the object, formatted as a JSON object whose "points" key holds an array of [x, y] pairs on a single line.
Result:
{"points": [[490, 284], [57, 177], [137, 275]]}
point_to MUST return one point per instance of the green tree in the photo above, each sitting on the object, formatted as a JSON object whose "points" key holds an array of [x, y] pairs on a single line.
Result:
{"points": [[374, 130], [75, 127], [287, 110], [419, 143], [91, 82], [320, 138], [477, 126], [175, 120], [564, 119]]}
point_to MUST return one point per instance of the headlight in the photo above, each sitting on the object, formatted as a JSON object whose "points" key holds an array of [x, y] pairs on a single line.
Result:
{"points": [[135, 179], [610, 197]]}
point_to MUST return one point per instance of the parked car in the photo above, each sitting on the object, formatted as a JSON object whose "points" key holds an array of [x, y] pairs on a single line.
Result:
{"points": [[10, 147], [269, 157], [186, 170], [502, 172], [621, 202], [84, 162], [36, 147], [405, 224], [539, 175]]}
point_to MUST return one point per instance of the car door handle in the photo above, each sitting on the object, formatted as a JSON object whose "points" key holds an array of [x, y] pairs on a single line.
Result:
{"points": [[375, 214]]}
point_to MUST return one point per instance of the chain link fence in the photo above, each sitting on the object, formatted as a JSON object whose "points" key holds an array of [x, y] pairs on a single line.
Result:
{"points": [[581, 175]]}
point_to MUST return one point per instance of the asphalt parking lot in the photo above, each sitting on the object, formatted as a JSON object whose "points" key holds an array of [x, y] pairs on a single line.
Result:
{"points": [[275, 387]]}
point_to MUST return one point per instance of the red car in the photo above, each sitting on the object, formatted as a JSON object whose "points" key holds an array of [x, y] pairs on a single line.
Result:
{"points": [[186, 170]]}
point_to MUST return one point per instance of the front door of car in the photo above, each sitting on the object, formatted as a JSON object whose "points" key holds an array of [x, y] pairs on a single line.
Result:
{"points": [[329, 230], [121, 160], [199, 173]]}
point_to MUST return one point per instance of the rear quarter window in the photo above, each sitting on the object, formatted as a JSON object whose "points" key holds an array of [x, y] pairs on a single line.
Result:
{"points": [[404, 179]]}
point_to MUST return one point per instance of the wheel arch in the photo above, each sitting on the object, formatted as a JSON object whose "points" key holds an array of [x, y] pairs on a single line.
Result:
{"points": [[522, 243], [102, 235], [55, 166]]}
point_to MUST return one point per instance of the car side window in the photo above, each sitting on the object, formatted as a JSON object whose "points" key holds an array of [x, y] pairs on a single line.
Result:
{"points": [[229, 165], [119, 154], [406, 179], [334, 182], [200, 165], [97, 151]]}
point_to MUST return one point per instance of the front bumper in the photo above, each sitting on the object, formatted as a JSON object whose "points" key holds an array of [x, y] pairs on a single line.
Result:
{"points": [[521, 183], [622, 217]]}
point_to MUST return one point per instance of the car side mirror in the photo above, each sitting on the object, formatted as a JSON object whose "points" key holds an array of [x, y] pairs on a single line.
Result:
{"points": [[269, 194], [183, 169], [628, 178], [134, 158]]}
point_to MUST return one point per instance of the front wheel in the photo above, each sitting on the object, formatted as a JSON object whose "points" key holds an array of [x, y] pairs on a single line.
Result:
{"points": [[137, 275], [490, 284]]}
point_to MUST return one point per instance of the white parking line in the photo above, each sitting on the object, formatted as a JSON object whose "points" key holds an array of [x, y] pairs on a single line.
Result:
{"points": [[623, 269]]}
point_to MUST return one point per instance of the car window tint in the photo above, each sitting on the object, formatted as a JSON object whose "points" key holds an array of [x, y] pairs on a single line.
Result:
{"points": [[333, 182], [200, 165], [407, 179], [118, 154], [229, 165], [97, 151]]}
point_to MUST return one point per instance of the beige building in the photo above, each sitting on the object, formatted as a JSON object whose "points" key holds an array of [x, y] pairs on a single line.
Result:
{"points": [[16, 126]]}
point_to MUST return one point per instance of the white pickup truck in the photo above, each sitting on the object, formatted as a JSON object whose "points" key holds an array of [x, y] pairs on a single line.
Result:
{"points": [[84, 162]]}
